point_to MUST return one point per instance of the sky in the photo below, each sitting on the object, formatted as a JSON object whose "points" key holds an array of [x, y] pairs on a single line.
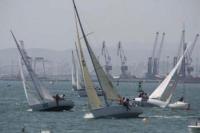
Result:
{"points": [[50, 24]]}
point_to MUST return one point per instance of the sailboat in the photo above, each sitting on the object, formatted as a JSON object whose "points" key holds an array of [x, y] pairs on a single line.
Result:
{"points": [[111, 108], [194, 127], [161, 96], [38, 97], [80, 87]]}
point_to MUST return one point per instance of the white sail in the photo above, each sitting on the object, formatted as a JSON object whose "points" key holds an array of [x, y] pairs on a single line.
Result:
{"points": [[78, 85], [79, 77], [31, 97], [73, 72], [42, 92], [161, 91], [81, 83], [23, 78]]}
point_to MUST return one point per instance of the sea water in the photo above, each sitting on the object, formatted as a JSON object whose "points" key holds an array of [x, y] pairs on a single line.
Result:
{"points": [[16, 116]]}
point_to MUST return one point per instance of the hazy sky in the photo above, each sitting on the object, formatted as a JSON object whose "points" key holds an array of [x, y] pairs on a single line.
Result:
{"points": [[50, 23]]}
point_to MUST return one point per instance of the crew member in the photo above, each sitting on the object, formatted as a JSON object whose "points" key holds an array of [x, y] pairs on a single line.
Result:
{"points": [[181, 99], [57, 98], [127, 104]]}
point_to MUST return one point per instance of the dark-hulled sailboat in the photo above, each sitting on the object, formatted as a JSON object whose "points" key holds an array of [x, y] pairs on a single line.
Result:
{"points": [[111, 108], [38, 97]]}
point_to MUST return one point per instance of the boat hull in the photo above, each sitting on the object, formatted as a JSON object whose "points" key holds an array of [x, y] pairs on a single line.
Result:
{"points": [[179, 105], [52, 106], [194, 129], [158, 103], [149, 103], [117, 112]]}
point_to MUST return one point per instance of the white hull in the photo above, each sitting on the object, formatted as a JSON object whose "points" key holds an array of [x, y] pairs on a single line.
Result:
{"points": [[194, 129], [179, 105], [52, 106], [150, 103], [158, 103], [119, 111]]}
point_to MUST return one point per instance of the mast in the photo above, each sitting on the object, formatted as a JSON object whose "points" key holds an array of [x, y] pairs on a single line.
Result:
{"points": [[104, 82], [21, 51], [42, 93]]}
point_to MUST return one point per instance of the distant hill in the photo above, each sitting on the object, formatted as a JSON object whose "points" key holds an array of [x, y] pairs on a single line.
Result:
{"points": [[9, 58], [59, 62]]}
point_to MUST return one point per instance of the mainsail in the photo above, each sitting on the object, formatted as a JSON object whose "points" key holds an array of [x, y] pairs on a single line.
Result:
{"points": [[43, 93], [161, 91], [105, 83]]}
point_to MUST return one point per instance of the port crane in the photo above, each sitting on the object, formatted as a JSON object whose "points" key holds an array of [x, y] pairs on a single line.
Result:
{"points": [[188, 57], [151, 61], [154, 59], [159, 53], [123, 58], [187, 61]]}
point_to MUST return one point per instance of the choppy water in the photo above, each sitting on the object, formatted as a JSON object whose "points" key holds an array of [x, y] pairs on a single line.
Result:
{"points": [[14, 115]]}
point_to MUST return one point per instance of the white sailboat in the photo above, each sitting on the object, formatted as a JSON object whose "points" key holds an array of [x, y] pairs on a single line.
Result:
{"points": [[194, 127], [111, 97], [161, 96], [38, 97]]}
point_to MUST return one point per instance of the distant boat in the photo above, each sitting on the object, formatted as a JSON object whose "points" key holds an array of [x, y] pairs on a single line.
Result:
{"points": [[161, 96], [112, 108], [38, 97], [74, 85], [194, 128]]}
